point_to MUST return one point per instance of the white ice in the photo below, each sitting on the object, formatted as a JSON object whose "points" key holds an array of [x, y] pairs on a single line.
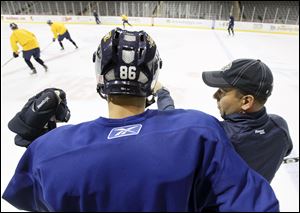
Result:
{"points": [[185, 53]]}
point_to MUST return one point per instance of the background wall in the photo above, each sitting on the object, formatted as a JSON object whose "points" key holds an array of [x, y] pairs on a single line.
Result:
{"points": [[160, 22]]}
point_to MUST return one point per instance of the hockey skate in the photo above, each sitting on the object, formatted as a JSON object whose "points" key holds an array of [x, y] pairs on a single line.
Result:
{"points": [[45, 67], [33, 71]]}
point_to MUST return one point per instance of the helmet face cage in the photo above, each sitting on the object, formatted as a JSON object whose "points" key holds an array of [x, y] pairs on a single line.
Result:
{"points": [[126, 63]]}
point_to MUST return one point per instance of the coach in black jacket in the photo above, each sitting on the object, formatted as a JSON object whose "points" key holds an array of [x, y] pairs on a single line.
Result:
{"points": [[261, 139]]}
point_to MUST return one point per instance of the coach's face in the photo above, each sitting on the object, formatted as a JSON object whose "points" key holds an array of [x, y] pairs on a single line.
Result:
{"points": [[229, 101]]}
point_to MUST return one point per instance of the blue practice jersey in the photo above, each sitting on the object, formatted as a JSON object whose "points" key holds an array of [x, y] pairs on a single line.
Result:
{"points": [[176, 160]]}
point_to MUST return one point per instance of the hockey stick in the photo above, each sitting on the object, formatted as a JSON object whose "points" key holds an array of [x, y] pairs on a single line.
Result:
{"points": [[291, 160], [7, 62], [46, 47], [13, 57]]}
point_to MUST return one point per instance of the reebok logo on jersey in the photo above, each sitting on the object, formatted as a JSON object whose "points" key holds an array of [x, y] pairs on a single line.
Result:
{"points": [[124, 131], [259, 131]]}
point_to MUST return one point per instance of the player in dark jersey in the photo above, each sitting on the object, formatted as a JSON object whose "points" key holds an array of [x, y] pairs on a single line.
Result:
{"points": [[136, 159], [96, 17], [231, 25]]}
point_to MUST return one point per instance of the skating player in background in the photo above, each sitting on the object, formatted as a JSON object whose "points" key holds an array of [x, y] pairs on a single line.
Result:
{"points": [[125, 20], [96, 17], [30, 46], [213, 24], [137, 159], [60, 32], [231, 25]]}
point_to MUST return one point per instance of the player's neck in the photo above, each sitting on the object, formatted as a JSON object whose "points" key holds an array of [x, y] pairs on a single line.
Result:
{"points": [[118, 112], [122, 108]]}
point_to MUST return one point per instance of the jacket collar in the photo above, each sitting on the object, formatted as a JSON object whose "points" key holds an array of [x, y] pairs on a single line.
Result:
{"points": [[251, 119]]}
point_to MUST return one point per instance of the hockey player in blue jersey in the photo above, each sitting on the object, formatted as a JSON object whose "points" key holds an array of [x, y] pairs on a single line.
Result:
{"points": [[137, 159]]}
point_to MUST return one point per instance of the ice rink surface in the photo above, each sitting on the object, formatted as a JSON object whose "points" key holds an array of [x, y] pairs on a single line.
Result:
{"points": [[185, 54]]}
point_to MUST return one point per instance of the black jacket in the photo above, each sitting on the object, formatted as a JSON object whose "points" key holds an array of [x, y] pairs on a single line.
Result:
{"points": [[262, 140], [231, 21], [95, 14]]}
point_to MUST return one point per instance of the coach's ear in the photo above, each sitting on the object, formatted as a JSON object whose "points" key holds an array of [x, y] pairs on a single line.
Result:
{"points": [[247, 102]]}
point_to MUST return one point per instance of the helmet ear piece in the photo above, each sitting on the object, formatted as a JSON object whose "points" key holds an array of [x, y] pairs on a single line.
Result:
{"points": [[142, 38], [99, 91], [116, 35]]}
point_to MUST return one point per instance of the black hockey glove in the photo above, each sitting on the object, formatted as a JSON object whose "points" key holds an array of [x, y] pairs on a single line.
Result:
{"points": [[16, 55], [62, 113], [39, 115]]}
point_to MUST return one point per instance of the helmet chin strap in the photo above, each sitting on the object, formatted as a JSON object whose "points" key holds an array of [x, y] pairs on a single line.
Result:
{"points": [[149, 101], [100, 93]]}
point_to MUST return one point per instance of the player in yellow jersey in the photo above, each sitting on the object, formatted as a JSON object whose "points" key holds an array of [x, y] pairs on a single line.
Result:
{"points": [[60, 32], [125, 20], [29, 44]]}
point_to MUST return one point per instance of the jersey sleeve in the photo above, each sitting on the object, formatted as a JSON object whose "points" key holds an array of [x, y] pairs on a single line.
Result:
{"points": [[33, 36], [233, 185], [13, 42], [54, 31], [23, 189], [164, 100], [282, 124]]}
